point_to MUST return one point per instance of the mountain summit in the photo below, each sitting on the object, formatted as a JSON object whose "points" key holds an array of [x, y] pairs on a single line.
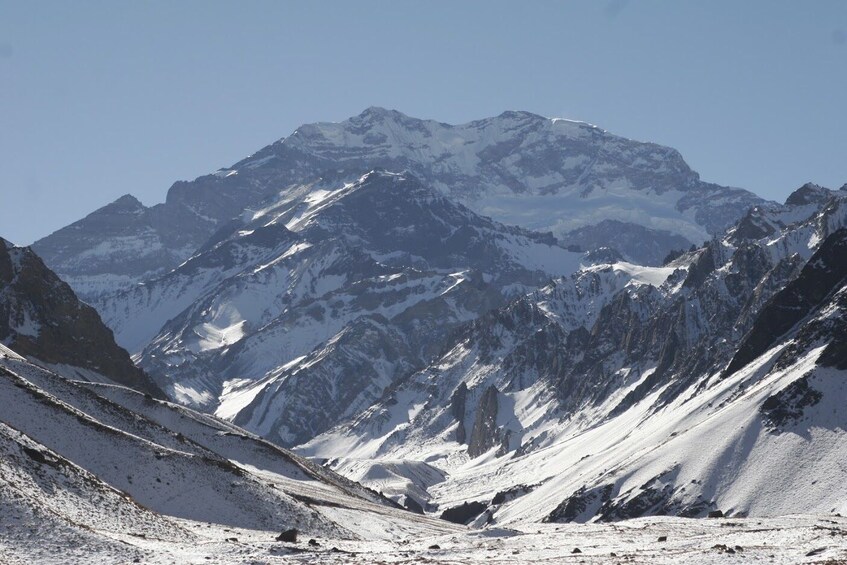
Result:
{"points": [[580, 182]]}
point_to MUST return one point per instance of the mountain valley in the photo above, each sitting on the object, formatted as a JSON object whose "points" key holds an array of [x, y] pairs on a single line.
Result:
{"points": [[414, 340]]}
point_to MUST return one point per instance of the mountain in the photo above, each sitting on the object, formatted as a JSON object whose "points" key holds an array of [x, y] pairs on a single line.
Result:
{"points": [[547, 175], [145, 481], [299, 315], [712, 383], [141, 473], [523, 169], [124, 242], [41, 318], [484, 321]]}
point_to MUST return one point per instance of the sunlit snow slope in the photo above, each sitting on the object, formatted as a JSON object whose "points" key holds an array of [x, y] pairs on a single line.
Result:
{"points": [[103, 463], [714, 383]]}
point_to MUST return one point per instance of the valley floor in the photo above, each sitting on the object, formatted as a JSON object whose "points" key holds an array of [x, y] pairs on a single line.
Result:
{"points": [[793, 539]]}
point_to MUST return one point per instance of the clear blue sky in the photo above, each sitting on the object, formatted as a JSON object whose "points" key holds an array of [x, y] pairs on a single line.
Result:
{"points": [[99, 99]]}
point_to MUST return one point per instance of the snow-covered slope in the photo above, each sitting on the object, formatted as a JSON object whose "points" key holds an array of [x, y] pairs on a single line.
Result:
{"points": [[65, 446], [296, 317], [81, 519], [117, 464], [159, 477], [548, 175], [715, 382], [522, 169]]}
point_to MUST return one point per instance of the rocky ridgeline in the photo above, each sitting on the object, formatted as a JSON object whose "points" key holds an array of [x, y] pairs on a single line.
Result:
{"points": [[41, 318], [547, 175]]}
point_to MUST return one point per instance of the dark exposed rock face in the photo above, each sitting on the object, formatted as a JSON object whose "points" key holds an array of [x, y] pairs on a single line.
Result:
{"points": [[457, 408], [701, 268], [658, 496], [826, 326], [413, 505], [788, 404], [465, 513], [602, 255], [835, 353], [581, 505], [511, 494], [40, 317], [821, 275], [288, 536], [485, 434], [809, 193], [754, 225]]}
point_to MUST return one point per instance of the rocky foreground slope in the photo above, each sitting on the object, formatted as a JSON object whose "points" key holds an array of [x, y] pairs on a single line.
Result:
{"points": [[147, 481], [94, 472]]}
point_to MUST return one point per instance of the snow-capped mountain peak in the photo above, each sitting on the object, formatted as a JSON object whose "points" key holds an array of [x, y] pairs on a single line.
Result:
{"points": [[542, 174]]}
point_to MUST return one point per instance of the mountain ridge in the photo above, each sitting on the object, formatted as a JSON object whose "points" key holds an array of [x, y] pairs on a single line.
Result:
{"points": [[41, 318], [519, 168], [443, 304], [617, 351]]}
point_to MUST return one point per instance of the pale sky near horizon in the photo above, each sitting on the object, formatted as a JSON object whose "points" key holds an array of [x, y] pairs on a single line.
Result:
{"points": [[100, 99]]}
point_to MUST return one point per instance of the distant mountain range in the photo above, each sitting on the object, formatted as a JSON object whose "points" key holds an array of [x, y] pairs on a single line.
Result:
{"points": [[588, 187], [713, 383], [515, 320]]}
